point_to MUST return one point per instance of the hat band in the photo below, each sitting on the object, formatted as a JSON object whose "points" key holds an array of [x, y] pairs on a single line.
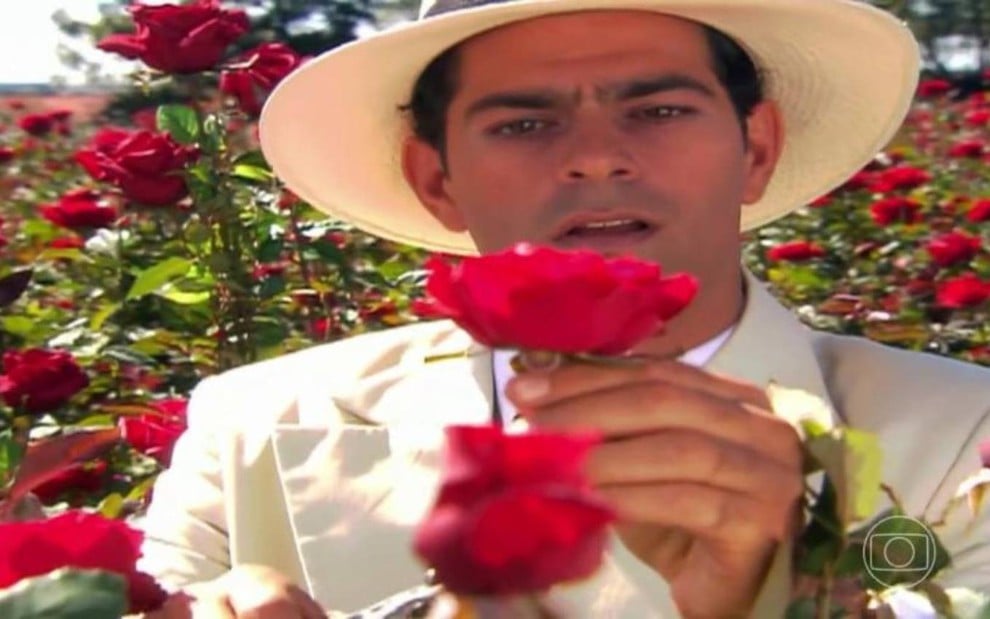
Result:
{"points": [[449, 6]]}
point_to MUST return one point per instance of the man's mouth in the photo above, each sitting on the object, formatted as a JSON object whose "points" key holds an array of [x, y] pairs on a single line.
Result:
{"points": [[608, 228]]}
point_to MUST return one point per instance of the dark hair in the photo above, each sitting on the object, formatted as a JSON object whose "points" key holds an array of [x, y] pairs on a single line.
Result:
{"points": [[437, 85]]}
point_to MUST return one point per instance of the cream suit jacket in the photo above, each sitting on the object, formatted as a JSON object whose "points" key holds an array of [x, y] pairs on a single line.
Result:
{"points": [[321, 463]]}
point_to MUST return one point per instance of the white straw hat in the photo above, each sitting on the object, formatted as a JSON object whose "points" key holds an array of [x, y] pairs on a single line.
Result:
{"points": [[843, 72]]}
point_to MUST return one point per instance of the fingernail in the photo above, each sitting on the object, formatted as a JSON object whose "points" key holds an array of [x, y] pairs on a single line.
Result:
{"points": [[530, 387]]}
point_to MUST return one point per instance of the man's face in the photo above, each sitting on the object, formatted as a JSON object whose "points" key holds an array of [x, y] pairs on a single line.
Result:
{"points": [[606, 130]]}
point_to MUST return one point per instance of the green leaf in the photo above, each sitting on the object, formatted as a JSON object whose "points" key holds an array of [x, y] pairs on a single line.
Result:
{"points": [[821, 541], [112, 505], [153, 278], [17, 325], [253, 158], [99, 318], [251, 173], [851, 459], [66, 594], [272, 287], [180, 121], [184, 298], [802, 608], [11, 453]]}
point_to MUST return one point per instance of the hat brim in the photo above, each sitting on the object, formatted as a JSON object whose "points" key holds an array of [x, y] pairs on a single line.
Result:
{"points": [[844, 74]]}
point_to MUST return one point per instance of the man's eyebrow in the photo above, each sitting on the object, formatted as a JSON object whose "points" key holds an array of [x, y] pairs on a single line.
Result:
{"points": [[645, 87], [620, 91], [521, 99]]}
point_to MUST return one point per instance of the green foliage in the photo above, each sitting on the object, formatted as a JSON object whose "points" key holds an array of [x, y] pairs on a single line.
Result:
{"points": [[66, 594]]}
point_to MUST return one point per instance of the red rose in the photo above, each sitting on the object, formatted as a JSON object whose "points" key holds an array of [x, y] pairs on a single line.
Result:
{"points": [[40, 380], [860, 180], [155, 434], [7, 154], [66, 242], [895, 210], [795, 251], [514, 513], [179, 39], [961, 292], [257, 72], [901, 177], [36, 124], [569, 302], [979, 211], [966, 149], [953, 248], [977, 118], [78, 479], [79, 208], [145, 165], [930, 88], [80, 540]]}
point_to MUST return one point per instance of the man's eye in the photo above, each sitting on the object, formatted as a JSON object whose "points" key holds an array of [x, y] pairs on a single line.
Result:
{"points": [[661, 112], [520, 127]]}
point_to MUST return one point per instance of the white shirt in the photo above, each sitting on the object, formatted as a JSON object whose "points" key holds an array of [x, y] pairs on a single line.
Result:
{"points": [[502, 368]]}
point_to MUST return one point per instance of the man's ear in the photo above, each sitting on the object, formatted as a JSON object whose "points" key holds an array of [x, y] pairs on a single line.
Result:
{"points": [[423, 170], [765, 139]]}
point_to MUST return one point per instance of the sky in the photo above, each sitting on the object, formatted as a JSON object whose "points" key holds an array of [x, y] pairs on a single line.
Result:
{"points": [[29, 40]]}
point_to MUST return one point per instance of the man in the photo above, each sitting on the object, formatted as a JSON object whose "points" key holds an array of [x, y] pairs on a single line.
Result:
{"points": [[654, 128]]}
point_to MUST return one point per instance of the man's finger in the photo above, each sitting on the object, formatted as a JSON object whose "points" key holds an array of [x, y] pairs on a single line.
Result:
{"points": [[310, 609], [538, 388], [644, 408], [689, 456], [710, 513]]}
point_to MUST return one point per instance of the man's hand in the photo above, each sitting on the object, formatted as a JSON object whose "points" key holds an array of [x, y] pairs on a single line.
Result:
{"points": [[705, 480], [245, 592]]}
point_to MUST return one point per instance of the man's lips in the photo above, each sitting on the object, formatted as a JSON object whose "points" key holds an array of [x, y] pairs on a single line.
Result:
{"points": [[592, 225]]}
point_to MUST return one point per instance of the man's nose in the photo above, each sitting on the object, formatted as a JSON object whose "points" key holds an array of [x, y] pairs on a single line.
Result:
{"points": [[598, 154]]}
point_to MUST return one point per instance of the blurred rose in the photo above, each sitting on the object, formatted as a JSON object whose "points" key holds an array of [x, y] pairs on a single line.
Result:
{"points": [[82, 540], [953, 248], [821, 201], [964, 291], [860, 180], [146, 119], [79, 209], [155, 434], [895, 209], [977, 118], [966, 149], [78, 479], [931, 88], [256, 72], [40, 381], [264, 270], [901, 177], [795, 251], [179, 38], [979, 211], [145, 165], [66, 242], [36, 124], [6, 154]]}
